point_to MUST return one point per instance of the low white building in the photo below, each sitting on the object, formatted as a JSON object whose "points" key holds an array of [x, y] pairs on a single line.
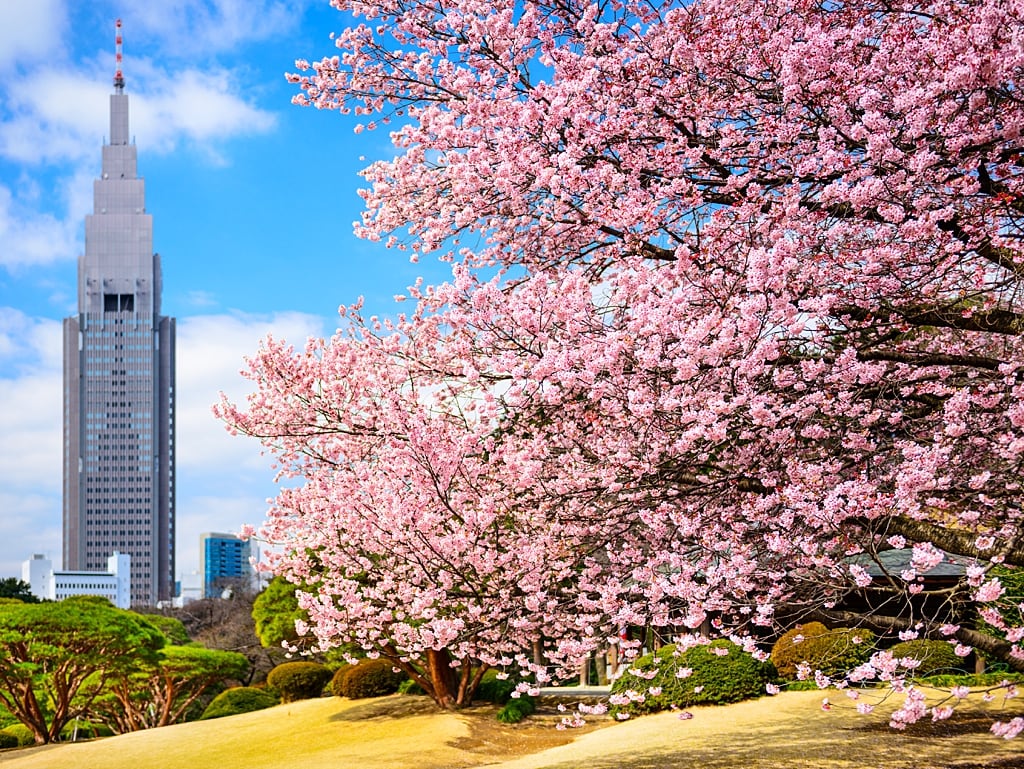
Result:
{"points": [[114, 584], [190, 588]]}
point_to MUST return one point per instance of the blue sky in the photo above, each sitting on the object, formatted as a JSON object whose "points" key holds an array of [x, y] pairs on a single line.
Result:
{"points": [[252, 199]]}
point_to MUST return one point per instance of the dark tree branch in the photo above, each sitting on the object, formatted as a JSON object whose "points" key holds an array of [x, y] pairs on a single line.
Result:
{"points": [[989, 321], [953, 541]]}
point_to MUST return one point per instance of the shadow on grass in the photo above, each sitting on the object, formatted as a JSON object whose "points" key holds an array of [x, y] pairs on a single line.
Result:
{"points": [[395, 706], [819, 742], [961, 725]]}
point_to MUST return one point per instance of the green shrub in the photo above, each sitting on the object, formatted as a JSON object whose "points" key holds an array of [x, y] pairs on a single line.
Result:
{"points": [[935, 656], [86, 731], [833, 652], [517, 709], [494, 689], [976, 679], [370, 678], [21, 733], [241, 699], [299, 680], [336, 686], [8, 740], [697, 676], [408, 686]]}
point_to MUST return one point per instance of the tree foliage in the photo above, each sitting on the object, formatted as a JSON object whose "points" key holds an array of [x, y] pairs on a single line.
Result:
{"points": [[165, 691], [12, 587], [816, 648], [736, 296], [718, 673], [48, 652], [275, 611], [173, 629]]}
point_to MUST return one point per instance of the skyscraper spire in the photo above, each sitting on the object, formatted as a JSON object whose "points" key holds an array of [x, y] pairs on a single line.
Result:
{"points": [[118, 76], [119, 99]]}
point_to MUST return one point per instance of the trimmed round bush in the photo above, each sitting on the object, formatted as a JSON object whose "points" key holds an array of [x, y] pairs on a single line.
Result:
{"points": [[336, 680], [241, 699], [299, 680], [8, 740], [833, 652], [21, 733], [934, 656], [714, 674], [370, 678]]}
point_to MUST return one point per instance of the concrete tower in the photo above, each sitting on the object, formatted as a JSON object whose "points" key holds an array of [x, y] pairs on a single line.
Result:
{"points": [[119, 383]]}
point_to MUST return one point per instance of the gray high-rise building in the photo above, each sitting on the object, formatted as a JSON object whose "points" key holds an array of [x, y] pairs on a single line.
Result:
{"points": [[119, 383]]}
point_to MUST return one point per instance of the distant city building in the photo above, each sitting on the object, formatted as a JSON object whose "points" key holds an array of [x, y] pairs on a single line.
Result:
{"points": [[190, 588], [114, 584], [119, 383], [226, 561]]}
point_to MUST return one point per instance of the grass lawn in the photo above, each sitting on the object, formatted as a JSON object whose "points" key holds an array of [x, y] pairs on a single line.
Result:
{"points": [[789, 730]]}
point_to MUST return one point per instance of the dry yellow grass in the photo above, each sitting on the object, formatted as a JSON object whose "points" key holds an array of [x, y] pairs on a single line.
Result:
{"points": [[789, 731], [313, 734]]}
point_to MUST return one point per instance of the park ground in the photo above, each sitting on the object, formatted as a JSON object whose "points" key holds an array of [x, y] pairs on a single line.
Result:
{"points": [[403, 732]]}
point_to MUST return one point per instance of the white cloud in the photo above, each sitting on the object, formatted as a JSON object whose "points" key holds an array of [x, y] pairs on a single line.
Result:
{"points": [[28, 345], [30, 452], [223, 480], [30, 31], [210, 353], [199, 106], [55, 116], [31, 235], [31, 524], [190, 27]]}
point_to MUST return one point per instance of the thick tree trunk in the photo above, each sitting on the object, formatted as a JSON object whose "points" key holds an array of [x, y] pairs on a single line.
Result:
{"points": [[443, 680], [449, 687]]}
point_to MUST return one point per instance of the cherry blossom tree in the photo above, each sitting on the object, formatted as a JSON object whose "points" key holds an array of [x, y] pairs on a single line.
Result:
{"points": [[735, 312]]}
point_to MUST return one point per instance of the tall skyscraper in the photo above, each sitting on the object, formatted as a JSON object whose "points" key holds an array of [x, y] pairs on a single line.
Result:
{"points": [[119, 383]]}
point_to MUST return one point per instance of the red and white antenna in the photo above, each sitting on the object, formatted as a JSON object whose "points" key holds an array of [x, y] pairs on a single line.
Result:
{"points": [[118, 76]]}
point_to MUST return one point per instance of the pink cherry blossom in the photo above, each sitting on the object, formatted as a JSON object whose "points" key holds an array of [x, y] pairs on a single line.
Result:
{"points": [[1008, 729], [734, 312]]}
